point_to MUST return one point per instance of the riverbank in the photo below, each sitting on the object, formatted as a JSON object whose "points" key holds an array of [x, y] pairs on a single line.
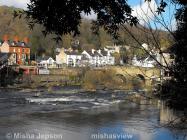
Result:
{"points": [[89, 79]]}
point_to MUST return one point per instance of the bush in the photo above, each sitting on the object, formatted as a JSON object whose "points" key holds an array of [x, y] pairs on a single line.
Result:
{"points": [[94, 79]]}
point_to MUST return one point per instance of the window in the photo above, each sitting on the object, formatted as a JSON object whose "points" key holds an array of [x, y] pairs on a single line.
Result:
{"points": [[14, 55], [14, 50], [77, 62], [70, 62], [18, 50], [23, 56]]}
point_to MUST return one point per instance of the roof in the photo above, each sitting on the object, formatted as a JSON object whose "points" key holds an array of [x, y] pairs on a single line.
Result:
{"points": [[16, 44], [104, 53], [90, 53], [97, 54], [39, 59], [94, 54], [149, 58], [72, 53]]}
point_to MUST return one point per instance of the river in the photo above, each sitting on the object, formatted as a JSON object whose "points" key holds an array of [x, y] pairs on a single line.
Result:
{"points": [[71, 114]]}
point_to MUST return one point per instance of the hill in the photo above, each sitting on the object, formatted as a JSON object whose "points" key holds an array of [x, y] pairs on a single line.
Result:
{"points": [[39, 44]]}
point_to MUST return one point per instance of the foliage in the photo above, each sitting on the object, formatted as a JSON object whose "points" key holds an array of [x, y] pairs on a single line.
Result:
{"points": [[63, 17], [41, 44], [10, 26], [176, 88], [8, 76]]}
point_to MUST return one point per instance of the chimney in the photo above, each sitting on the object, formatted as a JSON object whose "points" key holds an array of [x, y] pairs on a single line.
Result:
{"points": [[16, 39], [26, 40], [108, 53], [5, 38], [93, 51]]}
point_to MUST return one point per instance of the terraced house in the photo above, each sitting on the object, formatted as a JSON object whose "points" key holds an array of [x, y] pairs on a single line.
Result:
{"points": [[74, 58], [19, 50]]}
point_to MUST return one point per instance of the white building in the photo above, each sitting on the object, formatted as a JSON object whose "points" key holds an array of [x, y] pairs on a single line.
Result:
{"points": [[148, 62], [46, 62], [113, 49], [98, 57], [86, 58], [73, 58]]}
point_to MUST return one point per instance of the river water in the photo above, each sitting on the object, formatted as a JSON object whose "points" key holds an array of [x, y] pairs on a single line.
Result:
{"points": [[70, 114]]}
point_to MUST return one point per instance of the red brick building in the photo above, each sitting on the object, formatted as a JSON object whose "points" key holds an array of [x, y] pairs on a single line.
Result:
{"points": [[19, 49]]}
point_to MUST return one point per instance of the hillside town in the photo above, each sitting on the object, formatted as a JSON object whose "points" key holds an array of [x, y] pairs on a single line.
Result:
{"points": [[17, 52], [93, 69]]}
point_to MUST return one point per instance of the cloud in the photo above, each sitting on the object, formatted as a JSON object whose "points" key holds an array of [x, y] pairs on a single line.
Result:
{"points": [[91, 16], [144, 11], [141, 11], [16, 3]]}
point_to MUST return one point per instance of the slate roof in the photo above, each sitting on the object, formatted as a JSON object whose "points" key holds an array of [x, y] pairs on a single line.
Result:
{"points": [[104, 53], [16, 44], [72, 53], [39, 59], [95, 54]]}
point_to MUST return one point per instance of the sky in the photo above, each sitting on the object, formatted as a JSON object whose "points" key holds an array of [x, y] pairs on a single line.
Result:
{"points": [[16, 3], [141, 9]]}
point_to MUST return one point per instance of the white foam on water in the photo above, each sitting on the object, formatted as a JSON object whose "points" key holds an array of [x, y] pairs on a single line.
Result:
{"points": [[83, 107], [106, 103], [62, 99], [3, 98], [116, 102]]}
